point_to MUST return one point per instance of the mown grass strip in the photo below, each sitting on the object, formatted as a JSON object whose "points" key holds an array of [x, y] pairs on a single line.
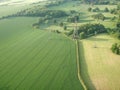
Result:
{"points": [[78, 66]]}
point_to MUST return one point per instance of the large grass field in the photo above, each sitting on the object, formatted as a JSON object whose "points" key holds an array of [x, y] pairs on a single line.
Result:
{"points": [[100, 67], [32, 59], [38, 59]]}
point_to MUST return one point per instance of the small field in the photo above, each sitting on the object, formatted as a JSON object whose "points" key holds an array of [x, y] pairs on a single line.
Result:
{"points": [[100, 67]]}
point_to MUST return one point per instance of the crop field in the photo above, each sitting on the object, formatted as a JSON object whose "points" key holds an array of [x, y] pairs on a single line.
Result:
{"points": [[40, 56], [35, 59], [100, 67]]}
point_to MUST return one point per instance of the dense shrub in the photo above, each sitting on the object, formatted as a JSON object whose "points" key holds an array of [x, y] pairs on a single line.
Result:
{"points": [[106, 10], [116, 48], [99, 16]]}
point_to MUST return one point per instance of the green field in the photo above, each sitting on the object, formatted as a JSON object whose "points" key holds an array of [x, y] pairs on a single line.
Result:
{"points": [[100, 67], [35, 59], [41, 59]]}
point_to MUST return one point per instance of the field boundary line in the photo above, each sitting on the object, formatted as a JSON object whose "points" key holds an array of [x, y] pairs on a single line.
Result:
{"points": [[78, 66], [67, 37]]}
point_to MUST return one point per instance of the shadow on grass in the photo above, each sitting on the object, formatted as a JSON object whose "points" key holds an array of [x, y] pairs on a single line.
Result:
{"points": [[98, 39], [86, 21], [84, 69]]}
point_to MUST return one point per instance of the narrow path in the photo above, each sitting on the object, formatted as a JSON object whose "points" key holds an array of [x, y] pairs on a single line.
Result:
{"points": [[78, 65]]}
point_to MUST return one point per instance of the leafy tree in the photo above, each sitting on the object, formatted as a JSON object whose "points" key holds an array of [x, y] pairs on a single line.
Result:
{"points": [[113, 11], [89, 9], [113, 18], [96, 9], [99, 16], [65, 27], [116, 48], [82, 35], [54, 21], [61, 24], [106, 10], [118, 24]]}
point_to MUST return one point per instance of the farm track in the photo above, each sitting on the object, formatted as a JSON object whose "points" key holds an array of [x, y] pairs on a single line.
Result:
{"points": [[78, 66]]}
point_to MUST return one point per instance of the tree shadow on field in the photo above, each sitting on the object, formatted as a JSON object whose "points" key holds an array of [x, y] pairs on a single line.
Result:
{"points": [[86, 21], [97, 39], [84, 69]]}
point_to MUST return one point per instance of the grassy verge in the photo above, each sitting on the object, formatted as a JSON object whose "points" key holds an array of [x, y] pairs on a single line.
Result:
{"points": [[78, 66]]}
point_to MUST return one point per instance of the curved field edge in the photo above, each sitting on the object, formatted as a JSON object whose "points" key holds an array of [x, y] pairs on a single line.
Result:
{"points": [[35, 59]]}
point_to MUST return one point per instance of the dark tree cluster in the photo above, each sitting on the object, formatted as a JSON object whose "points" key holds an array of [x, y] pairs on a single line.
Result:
{"points": [[116, 48], [106, 10], [56, 31], [50, 16], [38, 12], [115, 32], [116, 10], [90, 29], [103, 2], [99, 16], [96, 9], [100, 2], [42, 13]]}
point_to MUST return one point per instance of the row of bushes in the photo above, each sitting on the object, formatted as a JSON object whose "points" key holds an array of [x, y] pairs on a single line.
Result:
{"points": [[98, 9], [39, 12], [100, 2]]}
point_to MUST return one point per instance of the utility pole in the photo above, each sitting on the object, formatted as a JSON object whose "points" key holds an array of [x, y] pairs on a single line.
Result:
{"points": [[75, 32], [95, 46]]}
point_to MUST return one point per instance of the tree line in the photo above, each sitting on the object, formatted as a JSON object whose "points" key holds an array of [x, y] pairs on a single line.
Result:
{"points": [[88, 30], [100, 2]]}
